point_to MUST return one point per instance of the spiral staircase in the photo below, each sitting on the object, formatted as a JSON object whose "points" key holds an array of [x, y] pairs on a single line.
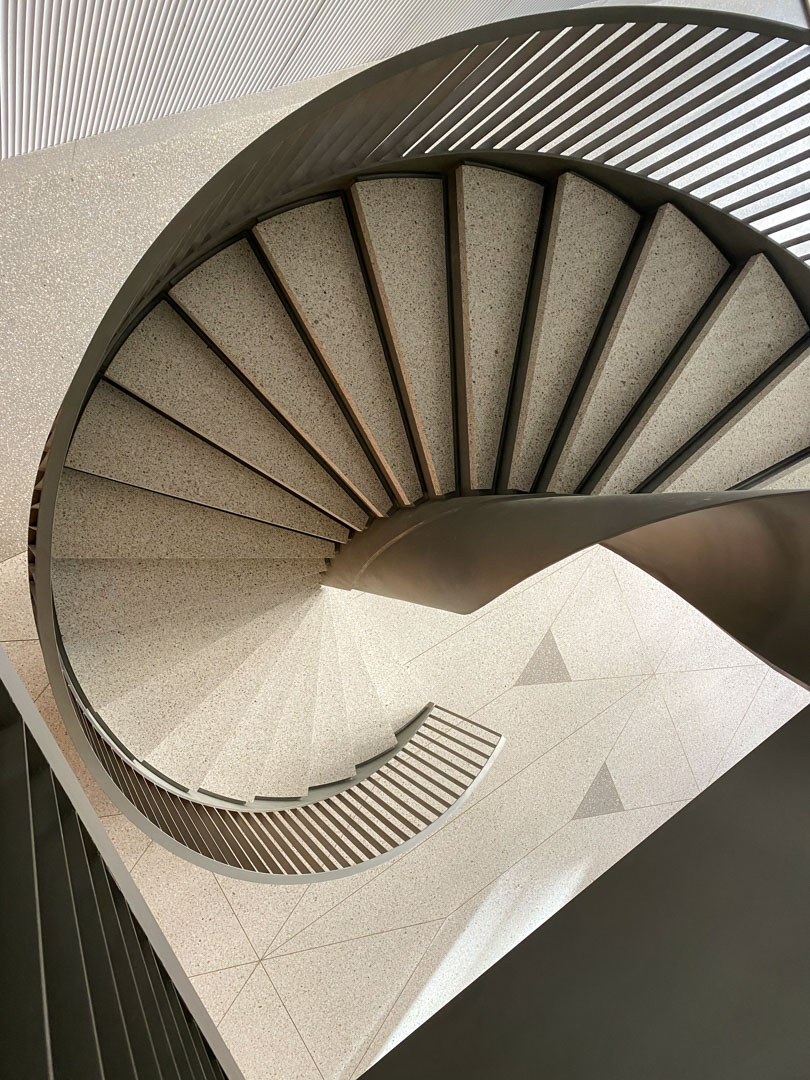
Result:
{"points": [[530, 288]]}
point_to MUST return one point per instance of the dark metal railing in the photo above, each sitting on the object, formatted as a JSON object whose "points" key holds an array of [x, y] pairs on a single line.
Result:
{"points": [[94, 990], [338, 829]]}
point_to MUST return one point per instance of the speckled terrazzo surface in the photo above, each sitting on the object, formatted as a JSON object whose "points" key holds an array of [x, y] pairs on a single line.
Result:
{"points": [[314, 250], [155, 362], [405, 217], [230, 297], [757, 322], [500, 218], [675, 275], [774, 426], [590, 234]]}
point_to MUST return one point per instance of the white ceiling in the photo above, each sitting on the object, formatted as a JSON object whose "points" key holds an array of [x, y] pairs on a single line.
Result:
{"points": [[71, 68]]}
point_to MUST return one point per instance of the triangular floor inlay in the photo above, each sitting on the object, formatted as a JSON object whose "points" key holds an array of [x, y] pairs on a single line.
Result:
{"points": [[545, 666], [601, 797]]}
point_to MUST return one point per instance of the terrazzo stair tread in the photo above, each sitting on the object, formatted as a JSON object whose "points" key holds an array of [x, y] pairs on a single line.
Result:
{"points": [[143, 684], [159, 704], [499, 217], [97, 518], [98, 595], [775, 425], [332, 751], [314, 250], [676, 273], [231, 298], [189, 751], [591, 231], [405, 219], [372, 732], [288, 765], [401, 696], [757, 322], [164, 362], [122, 439], [795, 478], [267, 727]]}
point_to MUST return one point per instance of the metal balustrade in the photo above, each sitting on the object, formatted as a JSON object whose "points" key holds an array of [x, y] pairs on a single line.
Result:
{"points": [[94, 989]]}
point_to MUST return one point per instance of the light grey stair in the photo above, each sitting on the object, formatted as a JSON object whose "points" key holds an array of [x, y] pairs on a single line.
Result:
{"points": [[288, 764], [231, 298], [269, 738], [675, 275], [313, 249], [774, 425], [164, 362], [590, 233], [145, 680], [188, 753], [371, 732], [401, 695], [756, 322], [122, 439], [103, 519], [499, 214], [404, 220], [93, 596], [332, 754]]}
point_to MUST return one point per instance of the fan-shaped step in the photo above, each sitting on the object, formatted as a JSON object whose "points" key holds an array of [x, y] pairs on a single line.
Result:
{"points": [[773, 425], [98, 518], [372, 732], [755, 323], [673, 274], [145, 680], [497, 215], [589, 234], [232, 299], [123, 439], [401, 222], [268, 753], [312, 251], [164, 362], [94, 596], [332, 755]]}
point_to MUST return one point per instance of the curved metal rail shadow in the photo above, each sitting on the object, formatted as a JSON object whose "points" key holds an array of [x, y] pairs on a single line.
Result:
{"points": [[739, 557]]}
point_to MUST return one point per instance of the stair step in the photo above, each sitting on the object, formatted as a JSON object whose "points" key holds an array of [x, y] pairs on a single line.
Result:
{"points": [[400, 694], [405, 221], [232, 299], [188, 753], [314, 251], [288, 764], [93, 596], [102, 519], [590, 233], [332, 757], [145, 681], [676, 273], [499, 214], [164, 362], [274, 738], [371, 731], [757, 321], [122, 439], [774, 426]]}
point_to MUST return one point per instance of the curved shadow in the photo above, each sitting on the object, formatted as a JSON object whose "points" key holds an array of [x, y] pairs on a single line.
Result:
{"points": [[739, 557]]}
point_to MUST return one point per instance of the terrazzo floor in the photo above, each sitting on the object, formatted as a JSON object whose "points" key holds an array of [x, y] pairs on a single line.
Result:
{"points": [[619, 703]]}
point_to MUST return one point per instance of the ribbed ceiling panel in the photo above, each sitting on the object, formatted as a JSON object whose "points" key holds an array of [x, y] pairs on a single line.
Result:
{"points": [[72, 68]]}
